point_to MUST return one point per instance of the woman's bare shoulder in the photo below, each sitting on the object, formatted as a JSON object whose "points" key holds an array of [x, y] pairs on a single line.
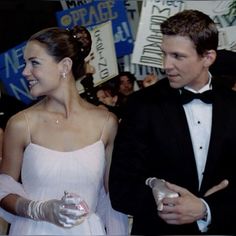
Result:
{"points": [[18, 120], [107, 120], [101, 114]]}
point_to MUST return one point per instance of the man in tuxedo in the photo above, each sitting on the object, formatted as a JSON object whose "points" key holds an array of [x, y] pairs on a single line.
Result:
{"points": [[182, 130]]}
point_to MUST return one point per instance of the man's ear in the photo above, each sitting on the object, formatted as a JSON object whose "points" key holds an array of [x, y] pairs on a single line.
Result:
{"points": [[65, 65], [209, 57]]}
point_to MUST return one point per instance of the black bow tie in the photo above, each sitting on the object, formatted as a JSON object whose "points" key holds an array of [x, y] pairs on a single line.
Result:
{"points": [[187, 96]]}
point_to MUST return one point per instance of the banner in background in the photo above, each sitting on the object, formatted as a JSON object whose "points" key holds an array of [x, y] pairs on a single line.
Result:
{"points": [[133, 15], [130, 5], [220, 12], [97, 12], [147, 46], [227, 38], [103, 51], [66, 4], [11, 67], [211, 8], [139, 71], [12, 63]]}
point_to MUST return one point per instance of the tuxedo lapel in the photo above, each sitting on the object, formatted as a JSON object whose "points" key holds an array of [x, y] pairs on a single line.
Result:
{"points": [[175, 115], [218, 130]]}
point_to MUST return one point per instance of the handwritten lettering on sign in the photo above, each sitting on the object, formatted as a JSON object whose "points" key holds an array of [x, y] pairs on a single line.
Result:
{"points": [[12, 65], [90, 15], [148, 41]]}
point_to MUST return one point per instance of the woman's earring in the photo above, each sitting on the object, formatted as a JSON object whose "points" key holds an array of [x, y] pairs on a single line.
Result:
{"points": [[64, 75]]}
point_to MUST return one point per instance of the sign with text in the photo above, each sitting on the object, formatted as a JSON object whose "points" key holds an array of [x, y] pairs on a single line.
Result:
{"points": [[139, 71], [133, 15], [130, 5], [66, 4], [11, 67], [147, 45], [220, 12], [97, 12], [210, 8], [104, 58]]}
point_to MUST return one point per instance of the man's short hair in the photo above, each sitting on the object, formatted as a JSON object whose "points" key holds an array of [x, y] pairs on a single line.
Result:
{"points": [[195, 25]]}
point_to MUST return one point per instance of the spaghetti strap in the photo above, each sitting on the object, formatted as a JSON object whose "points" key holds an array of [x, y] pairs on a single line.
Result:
{"points": [[28, 127], [108, 115]]}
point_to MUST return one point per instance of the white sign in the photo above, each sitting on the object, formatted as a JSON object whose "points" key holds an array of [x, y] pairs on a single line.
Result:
{"points": [[147, 46], [139, 71], [219, 11], [104, 58], [133, 15], [66, 4], [210, 8], [227, 38]]}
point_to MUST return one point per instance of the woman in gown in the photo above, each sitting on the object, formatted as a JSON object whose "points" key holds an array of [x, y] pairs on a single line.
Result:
{"points": [[60, 144]]}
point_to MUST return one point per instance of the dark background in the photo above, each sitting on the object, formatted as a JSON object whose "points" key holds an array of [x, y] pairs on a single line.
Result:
{"points": [[19, 19]]}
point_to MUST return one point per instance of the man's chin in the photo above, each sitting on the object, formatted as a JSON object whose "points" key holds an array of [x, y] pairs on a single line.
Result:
{"points": [[175, 85]]}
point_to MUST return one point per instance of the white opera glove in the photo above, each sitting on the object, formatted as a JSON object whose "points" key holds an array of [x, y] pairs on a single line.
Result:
{"points": [[74, 202], [160, 191], [53, 211]]}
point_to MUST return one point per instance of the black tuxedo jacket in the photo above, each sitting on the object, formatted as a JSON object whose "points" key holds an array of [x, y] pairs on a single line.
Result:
{"points": [[154, 140]]}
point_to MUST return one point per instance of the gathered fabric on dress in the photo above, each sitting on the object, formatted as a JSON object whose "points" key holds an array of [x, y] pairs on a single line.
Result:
{"points": [[47, 173]]}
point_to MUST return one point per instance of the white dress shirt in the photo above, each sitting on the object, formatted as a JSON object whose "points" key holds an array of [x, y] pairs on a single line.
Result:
{"points": [[199, 117]]}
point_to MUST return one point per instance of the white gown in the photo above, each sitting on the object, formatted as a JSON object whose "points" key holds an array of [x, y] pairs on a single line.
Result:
{"points": [[47, 173]]}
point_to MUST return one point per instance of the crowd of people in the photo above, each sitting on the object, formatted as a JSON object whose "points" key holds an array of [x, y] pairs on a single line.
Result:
{"points": [[113, 94], [80, 164]]}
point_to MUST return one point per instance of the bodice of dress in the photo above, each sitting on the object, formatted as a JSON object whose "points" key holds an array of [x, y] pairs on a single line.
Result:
{"points": [[47, 173]]}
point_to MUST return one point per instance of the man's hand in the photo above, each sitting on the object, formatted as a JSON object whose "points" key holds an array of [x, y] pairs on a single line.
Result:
{"points": [[187, 208], [150, 79], [88, 68], [223, 184]]}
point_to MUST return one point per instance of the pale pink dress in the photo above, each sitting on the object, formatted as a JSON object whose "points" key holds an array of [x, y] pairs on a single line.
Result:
{"points": [[47, 173]]}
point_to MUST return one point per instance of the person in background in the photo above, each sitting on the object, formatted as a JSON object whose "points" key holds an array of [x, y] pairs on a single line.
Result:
{"points": [[181, 130], [109, 99], [125, 83], [57, 153], [149, 80], [87, 81], [106, 97]]}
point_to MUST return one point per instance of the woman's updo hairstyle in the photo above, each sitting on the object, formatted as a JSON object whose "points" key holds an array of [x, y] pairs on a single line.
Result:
{"points": [[74, 43]]}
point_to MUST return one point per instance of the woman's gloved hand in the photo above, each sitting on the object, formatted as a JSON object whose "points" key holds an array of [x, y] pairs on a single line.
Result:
{"points": [[67, 212]]}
